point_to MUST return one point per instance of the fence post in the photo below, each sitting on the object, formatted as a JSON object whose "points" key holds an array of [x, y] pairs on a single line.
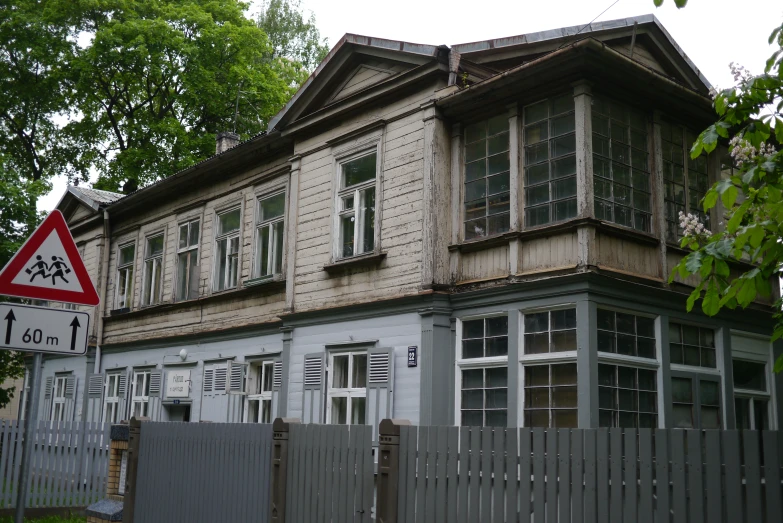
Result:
{"points": [[388, 468], [132, 470], [280, 430]]}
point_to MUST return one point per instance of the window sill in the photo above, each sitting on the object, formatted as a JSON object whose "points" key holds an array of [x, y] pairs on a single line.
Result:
{"points": [[264, 280], [361, 260], [627, 233], [117, 312]]}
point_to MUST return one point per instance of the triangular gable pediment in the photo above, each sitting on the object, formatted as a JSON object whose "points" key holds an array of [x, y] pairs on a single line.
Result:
{"points": [[371, 72]]}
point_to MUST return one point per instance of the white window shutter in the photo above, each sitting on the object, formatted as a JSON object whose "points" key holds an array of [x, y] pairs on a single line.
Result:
{"points": [[46, 413], [156, 383], [277, 386], [95, 386], [209, 379], [312, 399], [380, 384], [70, 397], [122, 392], [220, 385], [48, 388], [237, 375]]}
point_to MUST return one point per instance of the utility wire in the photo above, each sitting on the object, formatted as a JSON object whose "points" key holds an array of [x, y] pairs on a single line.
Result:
{"points": [[590, 23]]}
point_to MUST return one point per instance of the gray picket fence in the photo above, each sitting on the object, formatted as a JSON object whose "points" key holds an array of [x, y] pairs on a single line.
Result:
{"points": [[602, 475], [190, 472], [331, 475], [68, 465]]}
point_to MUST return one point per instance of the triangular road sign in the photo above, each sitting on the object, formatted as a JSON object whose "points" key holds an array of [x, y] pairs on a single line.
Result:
{"points": [[48, 267]]}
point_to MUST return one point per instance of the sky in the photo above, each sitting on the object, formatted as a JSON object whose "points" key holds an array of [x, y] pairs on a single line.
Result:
{"points": [[711, 32]]}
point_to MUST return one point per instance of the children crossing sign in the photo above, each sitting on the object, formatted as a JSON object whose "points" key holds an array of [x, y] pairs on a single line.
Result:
{"points": [[48, 267]]}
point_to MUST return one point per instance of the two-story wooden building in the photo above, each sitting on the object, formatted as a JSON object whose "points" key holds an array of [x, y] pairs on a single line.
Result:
{"points": [[479, 234]]}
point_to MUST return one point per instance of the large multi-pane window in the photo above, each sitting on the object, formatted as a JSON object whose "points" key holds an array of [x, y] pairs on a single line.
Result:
{"points": [[550, 331], [141, 393], [153, 270], [487, 196], [483, 368], [111, 399], [626, 334], [621, 172], [356, 206], [751, 394], [689, 345], [187, 261], [125, 259], [550, 161], [550, 395], [347, 394], [679, 174], [259, 393], [227, 250], [695, 402], [270, 233], [627, 397]]}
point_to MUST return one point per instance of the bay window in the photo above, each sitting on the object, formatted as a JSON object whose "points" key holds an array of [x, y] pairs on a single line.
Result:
{"points": [[627, 397], [483, 372], [689, 345], [550, 395], [227, 249]]}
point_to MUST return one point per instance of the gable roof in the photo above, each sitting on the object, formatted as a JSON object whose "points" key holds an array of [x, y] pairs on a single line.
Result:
{"points": [[92, 198]]}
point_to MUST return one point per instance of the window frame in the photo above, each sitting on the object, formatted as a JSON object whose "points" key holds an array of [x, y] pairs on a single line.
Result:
{"points": [[156, 261], [351, 393], [341, 192], [187, 250], [113, 400], [685, 367], [631, 363], [696, 378], [461, 363], [60, 383], [234, 234], [270, 223], [130, 269], [259, 370], [141, 398]]}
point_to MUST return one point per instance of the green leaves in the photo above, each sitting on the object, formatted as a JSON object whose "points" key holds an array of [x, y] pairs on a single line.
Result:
{"points": [[711, 302]]}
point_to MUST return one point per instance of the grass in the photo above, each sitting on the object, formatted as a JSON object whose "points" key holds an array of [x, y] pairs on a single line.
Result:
{"points": [[49, 519]]}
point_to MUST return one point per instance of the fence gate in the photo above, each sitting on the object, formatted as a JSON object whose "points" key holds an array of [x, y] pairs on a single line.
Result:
{"points": [[203, 472], [330, 474]]}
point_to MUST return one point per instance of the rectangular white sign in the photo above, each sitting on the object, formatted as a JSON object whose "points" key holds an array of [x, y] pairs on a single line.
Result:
{"points": [[178, 384], [40, 329]]}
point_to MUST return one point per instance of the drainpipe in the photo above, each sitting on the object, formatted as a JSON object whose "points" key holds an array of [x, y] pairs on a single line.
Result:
{"points": [[100, 309]]}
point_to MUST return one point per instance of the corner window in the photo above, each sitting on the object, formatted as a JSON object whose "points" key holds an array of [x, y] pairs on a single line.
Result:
{"points": [[58, 398], [550, 395], [689, 345], [751, 395], [187, 261], [270, 235], [487, 196], [483, 372], [550, 161], [627, 397], [356, 206], [259, 392], [111, 399], [550, 331], [626, 334], [621, 172], [347, 393], [695, 402], [153, 269], [125, 258], [227, 250], [679, 174], [141, 393]]}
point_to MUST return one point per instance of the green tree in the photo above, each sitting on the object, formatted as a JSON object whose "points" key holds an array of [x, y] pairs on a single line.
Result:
{"points": [[749, 118]]}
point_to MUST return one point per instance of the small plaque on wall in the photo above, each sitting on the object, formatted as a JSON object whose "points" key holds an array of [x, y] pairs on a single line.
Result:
{"points": [[413, 358], [123, 473]]}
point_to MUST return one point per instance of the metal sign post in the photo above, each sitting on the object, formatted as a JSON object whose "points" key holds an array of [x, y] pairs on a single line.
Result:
{"points": [[27, 449]]}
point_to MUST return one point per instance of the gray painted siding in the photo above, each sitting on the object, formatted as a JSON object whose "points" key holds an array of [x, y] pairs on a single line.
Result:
{"points": [[398, 332]]}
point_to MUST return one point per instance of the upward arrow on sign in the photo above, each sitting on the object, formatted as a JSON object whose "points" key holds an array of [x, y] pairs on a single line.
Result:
{"points": [[48, 267]]}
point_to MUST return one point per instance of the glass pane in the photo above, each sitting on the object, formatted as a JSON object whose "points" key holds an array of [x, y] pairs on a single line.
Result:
{"points": [[228, 221], [607, 398], [497, 377], [707, 337], [475, 170], [710, 418], [675, 353], [645, 347], [564, 145], [499, 203], [358, 408], [645, 327], [682, 416], [472, 399], [262, 251], [691, 355], [368, 219], [749, 375], [710, 393], [564, 397], [536, 153], [564, 418], [647, 379], [536, 343], [536, 174], [340, 372], [742, 412], [475, 190], [625, 323], [536, 133], [564, 167], [626, 377], [537, 322], [472, 418], [760, 414], [563, 104], [182, 275], [605, 319], [347, 231], [472, 379], [497, 418], [682, 391], [537, 195], [475, 132], [475, 229], [359, 170], [537, 398], [625, 344], [607, 375], [497, 346], [268, 373], [279, 236], [564, 374], [497, 326], [496, 399], [472, 329], [647, 402], [536, 375], [497, 144], [339, 411], [536, 418], [627, 399], [690, 334], [497, 124], [272, 207], [193, 235], [536, 112], [126, 254], [359, 378], [562, 124], [564, 341], [183, 236], [497, 184], [473, 349]]}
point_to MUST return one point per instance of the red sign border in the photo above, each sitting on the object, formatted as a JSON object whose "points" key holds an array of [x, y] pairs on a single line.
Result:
{"points": [[54, 222]]}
